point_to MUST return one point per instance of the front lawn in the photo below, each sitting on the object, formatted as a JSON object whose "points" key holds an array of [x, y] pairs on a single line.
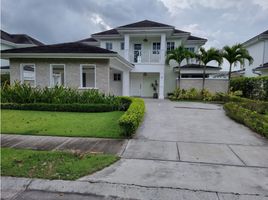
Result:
{"points": [[51, 165], [61, 123]]}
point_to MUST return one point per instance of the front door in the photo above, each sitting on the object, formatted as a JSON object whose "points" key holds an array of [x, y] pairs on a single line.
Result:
{"points": [[137, 53], [135, 84]]}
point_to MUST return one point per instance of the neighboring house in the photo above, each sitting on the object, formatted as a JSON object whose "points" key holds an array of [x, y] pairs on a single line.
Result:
{"points": [[262, 69], [258, 49], [121, 61], [11, 41]]}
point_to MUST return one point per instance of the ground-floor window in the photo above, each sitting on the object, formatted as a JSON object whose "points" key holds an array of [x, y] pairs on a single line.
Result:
{"points": [[88, 76], [28, 74], [117, 77], [57, 75]]}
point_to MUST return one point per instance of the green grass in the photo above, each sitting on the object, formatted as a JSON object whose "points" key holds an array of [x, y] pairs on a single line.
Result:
{"points": [[61, 123], [51, 165]]}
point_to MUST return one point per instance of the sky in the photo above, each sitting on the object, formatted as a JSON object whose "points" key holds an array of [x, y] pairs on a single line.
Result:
{"points": [[222, 22]]}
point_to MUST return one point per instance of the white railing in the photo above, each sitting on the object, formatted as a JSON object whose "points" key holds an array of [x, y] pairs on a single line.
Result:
{"points": [[145, 56]]}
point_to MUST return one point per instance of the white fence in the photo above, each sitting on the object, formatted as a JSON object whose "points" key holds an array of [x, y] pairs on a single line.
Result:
{"points": [[213, 85]]}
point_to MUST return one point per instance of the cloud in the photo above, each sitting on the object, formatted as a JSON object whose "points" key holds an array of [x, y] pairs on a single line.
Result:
{"points": [[53, 21], [262, 3], [96, 19]]}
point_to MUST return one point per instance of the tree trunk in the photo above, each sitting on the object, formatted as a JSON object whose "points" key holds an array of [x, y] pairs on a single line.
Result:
{"points": [[204, 77], [229, 78], [179, 79]]}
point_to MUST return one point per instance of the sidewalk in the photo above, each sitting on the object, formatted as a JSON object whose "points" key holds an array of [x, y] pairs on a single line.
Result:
{"points": [[49, 143], [32, 189]]}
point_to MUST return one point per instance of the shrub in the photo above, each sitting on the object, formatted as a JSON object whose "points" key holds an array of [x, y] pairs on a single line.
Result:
{"points": [[131, 119], [251, 87], [192, 94], [60, 107], [251, 119], [5, 79], [24, 93]]}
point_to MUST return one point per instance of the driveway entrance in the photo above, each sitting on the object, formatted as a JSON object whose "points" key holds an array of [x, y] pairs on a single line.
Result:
{"points": [[192, 147]]}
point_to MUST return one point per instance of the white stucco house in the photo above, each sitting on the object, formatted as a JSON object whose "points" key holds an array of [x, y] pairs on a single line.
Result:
{"points": [[122, 61], [258, 49], [11, 41]]}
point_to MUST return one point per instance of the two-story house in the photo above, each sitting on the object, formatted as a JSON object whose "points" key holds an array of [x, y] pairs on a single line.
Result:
{"points": [[258, 49], [11, 41], [123, 61]]}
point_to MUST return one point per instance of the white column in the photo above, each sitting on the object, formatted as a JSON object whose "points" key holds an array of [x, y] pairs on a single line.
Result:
{"points": [[125, 83], [161, 85], [126, 46], [163, 47]]}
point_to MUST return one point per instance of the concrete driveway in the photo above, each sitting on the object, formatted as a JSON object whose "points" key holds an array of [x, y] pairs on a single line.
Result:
{"points": [[192, 148]]}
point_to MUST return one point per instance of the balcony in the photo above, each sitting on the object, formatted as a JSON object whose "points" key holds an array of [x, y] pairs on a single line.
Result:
{"points": [[146, 56]]}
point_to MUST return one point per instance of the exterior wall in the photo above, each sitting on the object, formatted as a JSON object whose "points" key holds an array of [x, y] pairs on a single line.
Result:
{"points": [[259, 54], [170, 80], [72, 71], [143, 84], [5, 62], [264, 72], [148, 79], [213, 85], [116, 45], [115, 86]]}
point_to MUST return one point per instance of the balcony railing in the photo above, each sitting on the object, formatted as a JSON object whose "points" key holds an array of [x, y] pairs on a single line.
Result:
{"points": [[145, 56]]}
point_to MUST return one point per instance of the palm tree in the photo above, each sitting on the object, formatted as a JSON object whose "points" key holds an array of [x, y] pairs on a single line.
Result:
{"points": [[179, 54], [235, 54], [205, 56]]}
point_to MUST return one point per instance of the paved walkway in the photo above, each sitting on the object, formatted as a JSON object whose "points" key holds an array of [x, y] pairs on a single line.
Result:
{"points": [[188, 151], [91, 145]]}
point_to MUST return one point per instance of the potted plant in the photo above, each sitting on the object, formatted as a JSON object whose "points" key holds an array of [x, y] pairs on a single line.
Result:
{"points": [[154, 86]]}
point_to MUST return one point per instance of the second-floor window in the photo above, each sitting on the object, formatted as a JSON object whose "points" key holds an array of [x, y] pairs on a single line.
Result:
{"points": [[156, 47], [191, 49], [170, 46], [122, 45], [109, 45]]}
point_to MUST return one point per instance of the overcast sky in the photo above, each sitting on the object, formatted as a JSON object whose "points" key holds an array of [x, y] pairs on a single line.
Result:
{"points": [[53, 21]]}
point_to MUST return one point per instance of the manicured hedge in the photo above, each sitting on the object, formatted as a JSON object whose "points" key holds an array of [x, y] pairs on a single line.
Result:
{"points": [[252, 119], [251, 87], [60, 107], [131, 119]]}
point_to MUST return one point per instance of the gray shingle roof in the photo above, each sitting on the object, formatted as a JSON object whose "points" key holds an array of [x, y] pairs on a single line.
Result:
{"points": [[74, 47], [108, 32], [145, 24], [19, 38], [195, 38]]}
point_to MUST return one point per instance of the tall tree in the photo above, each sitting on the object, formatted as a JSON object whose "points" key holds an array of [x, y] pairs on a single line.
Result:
{"points": [[205, 56], [179, 54], [235, 54]]}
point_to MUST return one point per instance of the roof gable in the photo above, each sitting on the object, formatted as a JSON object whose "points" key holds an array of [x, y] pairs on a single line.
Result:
{"points": [[146, 24]]}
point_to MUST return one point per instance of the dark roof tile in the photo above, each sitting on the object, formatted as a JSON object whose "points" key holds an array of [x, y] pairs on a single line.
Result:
{"points": [[145, 24], [108, 32], [179, 31], [88, 40], [19, 38], [195, 38], [74, 47]]}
